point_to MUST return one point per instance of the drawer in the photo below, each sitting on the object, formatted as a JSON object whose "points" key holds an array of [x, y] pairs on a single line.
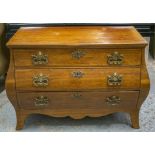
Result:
{"points": [[77, 79], [78, 100], [77, 57]]}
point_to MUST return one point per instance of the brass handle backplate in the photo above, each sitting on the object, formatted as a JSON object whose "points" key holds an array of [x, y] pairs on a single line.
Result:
{"points": [[39, 58], [77, 74], [41, 101], [113, 100], [115, 58], [40, 80], [77, 54], [114, 79]]}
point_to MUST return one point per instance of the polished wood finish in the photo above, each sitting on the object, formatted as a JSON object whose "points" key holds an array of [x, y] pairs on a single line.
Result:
{"points": [[77, 86], [145, 29], [89, 36], [63, 80], [91, 57], [79, 100]]}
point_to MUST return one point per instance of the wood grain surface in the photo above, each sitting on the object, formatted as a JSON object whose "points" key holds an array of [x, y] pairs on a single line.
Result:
{"points": [[79, 100], [64, 57], [62, 79], [77, 36], [70, 95]]}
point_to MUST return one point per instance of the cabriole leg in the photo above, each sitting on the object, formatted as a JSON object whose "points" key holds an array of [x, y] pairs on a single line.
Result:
{"points": [[20, 120], [134, 115]]}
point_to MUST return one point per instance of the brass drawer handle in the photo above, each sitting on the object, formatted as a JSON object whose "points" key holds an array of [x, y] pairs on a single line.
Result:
{"points": [[77, 54], [115, 58], [39, 59], [41, 101], [113, 100], [40, 80], [114, 79], [77, 74], [77, 95]]}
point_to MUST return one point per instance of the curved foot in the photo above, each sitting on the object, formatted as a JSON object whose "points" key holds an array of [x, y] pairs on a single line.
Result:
{"points": [[135, 119], [20, 120]]}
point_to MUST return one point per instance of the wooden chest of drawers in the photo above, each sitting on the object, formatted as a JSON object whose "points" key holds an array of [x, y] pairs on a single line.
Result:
{"points": [[77, 72]]}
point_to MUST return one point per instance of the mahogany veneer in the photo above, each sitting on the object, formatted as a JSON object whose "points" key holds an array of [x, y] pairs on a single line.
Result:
{"points": [[77, 72]]}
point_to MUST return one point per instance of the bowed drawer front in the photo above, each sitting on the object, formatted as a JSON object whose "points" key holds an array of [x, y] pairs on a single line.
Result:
{"points": [[77, 57], [77, 100], [77, 72], [77, 79]]}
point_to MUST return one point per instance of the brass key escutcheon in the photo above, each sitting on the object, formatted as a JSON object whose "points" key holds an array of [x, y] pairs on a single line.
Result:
{"points": [[77, 54], [77, 95], [77, 74]]}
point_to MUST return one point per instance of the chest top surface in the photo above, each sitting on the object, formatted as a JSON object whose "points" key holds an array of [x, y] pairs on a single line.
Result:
{"points": [[99, 36]]}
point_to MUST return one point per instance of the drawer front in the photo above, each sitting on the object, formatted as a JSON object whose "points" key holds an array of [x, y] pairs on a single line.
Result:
{"points": [[77, 79], [78, 100], [77, 57]]}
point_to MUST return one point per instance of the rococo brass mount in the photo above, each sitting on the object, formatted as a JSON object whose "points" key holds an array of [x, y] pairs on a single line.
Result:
{"points": [[115, 59], [39, 58], [40, 80], [114, 79]]}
